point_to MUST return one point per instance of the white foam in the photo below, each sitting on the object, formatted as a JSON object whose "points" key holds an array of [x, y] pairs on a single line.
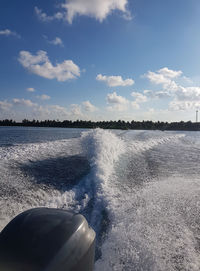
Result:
{"points": [[103, 150], [151, 229], [34, 151], [144, 145]]}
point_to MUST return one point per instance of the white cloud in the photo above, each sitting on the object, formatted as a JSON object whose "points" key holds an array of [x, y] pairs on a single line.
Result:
{"points": [[29, 60], [5, 106], [57, 41], [157, 78], [7, 32], [98, 9], [116, 107], [23, 102], [157, 94], [89, 107], [30, 89], [76, 110], [183, 98], [50, 112], [169, 73], [135, 105], [114, 81], [188, 93], [19, 109], [184, 105], [43, 97], [45, 18], [116, 102], [139, 98], [113, 98], [164, 77], [40, 64]]}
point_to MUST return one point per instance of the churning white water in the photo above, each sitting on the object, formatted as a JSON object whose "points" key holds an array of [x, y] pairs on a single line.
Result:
{"points": [[139, 190]]}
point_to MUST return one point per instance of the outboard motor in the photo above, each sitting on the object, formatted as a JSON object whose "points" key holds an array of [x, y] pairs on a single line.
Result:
{"points": [[44, 239]]}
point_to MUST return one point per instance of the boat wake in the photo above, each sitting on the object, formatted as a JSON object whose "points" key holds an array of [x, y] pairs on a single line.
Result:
{"points": [[144, 220]]}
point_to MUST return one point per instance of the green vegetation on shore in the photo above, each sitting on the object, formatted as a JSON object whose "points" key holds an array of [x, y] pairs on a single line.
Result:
{"points": [[120, 124]]}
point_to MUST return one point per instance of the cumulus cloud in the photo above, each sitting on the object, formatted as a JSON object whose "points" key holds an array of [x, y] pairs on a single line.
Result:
{"points": [[57, 41], [188, 93], [157, 78], [98, 9], [40, 64], [116, 102], [186, 98], [24, 102], [139, 97], [43, 97], [8, 32], [30, 89], [169, 73], [116, 99], [115, 81], [182, 98], [87, 106], [164, 77]]}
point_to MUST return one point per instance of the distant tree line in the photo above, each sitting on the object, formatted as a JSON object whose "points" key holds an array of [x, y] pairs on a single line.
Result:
{"points": [[120, 124]]}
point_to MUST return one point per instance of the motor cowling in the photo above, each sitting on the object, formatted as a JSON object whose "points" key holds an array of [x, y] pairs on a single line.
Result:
{"points": [[46, 239]]}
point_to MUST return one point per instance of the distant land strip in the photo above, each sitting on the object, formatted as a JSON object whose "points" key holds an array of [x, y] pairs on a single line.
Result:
{"points": [[120, 124]]}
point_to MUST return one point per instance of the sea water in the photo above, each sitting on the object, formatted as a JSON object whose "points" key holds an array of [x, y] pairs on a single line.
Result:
{"points": [[139, 190]]}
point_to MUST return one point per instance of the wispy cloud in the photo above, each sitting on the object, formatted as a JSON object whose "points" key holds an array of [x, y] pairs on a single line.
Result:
{"points": [[30, 89], [135, 105], [162, 94], [5, 106], [184, 105], [51, 112], [43, 97], [8, 32], [46, 18], [24, 102], [115, 81], [40, 64], [57, 41], [20, 108]]}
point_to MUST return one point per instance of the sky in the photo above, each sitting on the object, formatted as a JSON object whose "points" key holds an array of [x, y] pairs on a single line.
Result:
{"points": [[100, 59]]}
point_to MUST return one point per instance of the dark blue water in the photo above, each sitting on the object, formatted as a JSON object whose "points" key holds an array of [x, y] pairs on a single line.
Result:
{"points": [[19, 135]]}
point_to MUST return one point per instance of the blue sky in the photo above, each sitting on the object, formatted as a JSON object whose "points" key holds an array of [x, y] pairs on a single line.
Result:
{"points": [[100, 59]]}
